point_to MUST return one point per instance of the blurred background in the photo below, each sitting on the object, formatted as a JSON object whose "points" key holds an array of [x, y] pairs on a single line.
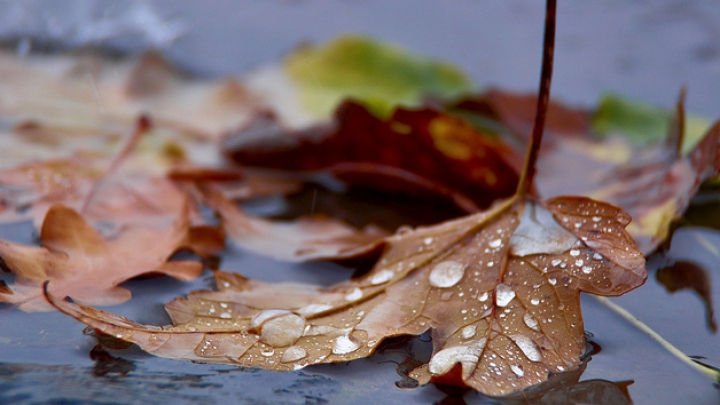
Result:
{"points": [[642, 49]]}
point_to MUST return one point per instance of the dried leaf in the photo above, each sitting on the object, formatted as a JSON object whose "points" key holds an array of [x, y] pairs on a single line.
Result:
{"points": [[416, 152], [499, 290], [102, 96], [28, 192], [78, 261], [299, 240], [381, 75], [652, 182]]}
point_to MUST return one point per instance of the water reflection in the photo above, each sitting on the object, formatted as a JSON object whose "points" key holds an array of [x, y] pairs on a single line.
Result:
{"points": [[687, 275], [564, 389]]}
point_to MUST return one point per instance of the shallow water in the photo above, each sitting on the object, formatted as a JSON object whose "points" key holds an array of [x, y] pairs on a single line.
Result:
{"points": [[646, 50]]}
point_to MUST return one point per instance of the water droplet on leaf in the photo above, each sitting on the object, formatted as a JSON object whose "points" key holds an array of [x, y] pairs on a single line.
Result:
{"points": [[517, 369], [382, 277], [530, 321], [529, 348], [345, 344], [447, 274], [503, 295], [354, 295], [277, 327], [293, 353]]}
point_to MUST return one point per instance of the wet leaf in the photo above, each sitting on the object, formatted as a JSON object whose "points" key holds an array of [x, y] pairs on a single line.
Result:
{"points": [[654, 183], [416, 152], [78, 261], [28, 191], [499, 290], [302, 239]]}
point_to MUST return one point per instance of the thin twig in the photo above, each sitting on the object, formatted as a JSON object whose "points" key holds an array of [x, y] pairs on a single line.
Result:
{"points": [[526, 177], [709, 371]]}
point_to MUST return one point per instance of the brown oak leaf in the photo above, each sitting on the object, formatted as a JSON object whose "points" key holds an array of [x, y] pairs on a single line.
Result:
{"points": [[499, 290], [78, 261]]}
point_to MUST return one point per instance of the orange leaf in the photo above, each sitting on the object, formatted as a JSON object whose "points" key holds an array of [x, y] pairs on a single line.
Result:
{"points": [[499, 290], [78, 261]]}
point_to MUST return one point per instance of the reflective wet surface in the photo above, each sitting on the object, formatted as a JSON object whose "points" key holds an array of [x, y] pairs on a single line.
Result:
{"points": [[646, 50]]}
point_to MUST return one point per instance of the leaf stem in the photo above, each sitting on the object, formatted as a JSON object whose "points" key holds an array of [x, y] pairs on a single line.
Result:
{"points": [[677, 131], [143, 125], [709, 371], [528, 173]]}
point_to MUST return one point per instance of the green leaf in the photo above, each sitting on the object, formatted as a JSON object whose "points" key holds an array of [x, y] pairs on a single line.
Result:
{"points": [[641, 122], [381, 76]]}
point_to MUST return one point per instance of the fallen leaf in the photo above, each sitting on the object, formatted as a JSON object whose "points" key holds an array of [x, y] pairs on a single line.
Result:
{"points": [[300, 240], [78, 261], [103, 96], [28, 191], [382, 76], [416, 152], [651, 180], [499, 290]]}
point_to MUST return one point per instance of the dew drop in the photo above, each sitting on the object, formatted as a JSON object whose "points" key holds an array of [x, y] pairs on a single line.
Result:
{"points": [[596, 219], [267, 352], [382, 277], [345, 344], [517, 369], [313, 309], [556, 262], [278, 327], [597, 256], [574, 252], [354, 295], [469, 331], [428, 241], [552, 281], [468, 357], [495, 243], [535, 301], [447, 274], [530, 321], [483, 297], [587, 269], [503, 295], [579, 262], [293, 353], [490, 264], [529, 348]]}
